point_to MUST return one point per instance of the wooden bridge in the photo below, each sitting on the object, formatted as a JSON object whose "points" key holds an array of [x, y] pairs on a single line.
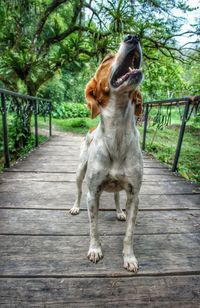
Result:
{"points": [[43, 248]]}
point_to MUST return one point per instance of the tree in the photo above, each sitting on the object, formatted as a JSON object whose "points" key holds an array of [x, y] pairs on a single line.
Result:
{"points": [[41, 36]]}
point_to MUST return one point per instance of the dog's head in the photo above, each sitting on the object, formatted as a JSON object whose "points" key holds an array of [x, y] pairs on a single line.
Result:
{"points": [[117, 75]]}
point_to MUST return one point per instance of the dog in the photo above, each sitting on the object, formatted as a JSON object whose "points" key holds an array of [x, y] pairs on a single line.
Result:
{"points": [[110, 156]]}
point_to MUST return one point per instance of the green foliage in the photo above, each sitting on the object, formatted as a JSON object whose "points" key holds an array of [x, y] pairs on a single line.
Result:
{"points": [[164, 79], [39, 38], [195, 121], [15, 135], [77, 125], [164, 144], [162, 141], [70, 110]]}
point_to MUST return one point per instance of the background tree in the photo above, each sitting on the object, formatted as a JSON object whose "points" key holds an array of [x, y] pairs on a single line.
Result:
{"points": [[39, 37]]}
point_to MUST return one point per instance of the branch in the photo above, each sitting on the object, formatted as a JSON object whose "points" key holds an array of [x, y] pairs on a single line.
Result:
{"points": [[94, 13], [72, 28], [53, 5], [194, 42], [180, 34], [148, 57], [172, 51]]}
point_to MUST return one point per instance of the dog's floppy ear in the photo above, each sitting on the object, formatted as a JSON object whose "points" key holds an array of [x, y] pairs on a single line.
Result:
{"points": [[137, 100], [90, 95]]}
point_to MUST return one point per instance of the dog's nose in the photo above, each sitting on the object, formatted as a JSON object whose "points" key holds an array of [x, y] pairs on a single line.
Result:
{"points": [[131, 39]]}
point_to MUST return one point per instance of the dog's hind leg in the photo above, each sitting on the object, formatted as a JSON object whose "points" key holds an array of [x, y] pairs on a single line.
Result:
{"points": [[79, 180], [120, 213]]}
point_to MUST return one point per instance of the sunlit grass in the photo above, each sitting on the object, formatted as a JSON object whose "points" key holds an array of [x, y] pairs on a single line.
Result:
{"points": [[76, 125]]}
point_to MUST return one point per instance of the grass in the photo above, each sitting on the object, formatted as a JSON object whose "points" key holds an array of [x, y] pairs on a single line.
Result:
{"points": [[161, 143], [76, 125]]}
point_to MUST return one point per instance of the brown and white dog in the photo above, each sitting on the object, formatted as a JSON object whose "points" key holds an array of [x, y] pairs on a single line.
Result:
{"points": [[110, 155]]}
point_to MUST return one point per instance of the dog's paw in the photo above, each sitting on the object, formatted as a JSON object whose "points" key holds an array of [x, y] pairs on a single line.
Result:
{"points": [[74, 210], [121, 216], [95, 254], [131, 263]]}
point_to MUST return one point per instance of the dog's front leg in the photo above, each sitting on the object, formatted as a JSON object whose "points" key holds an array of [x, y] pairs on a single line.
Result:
{"points": [[130, 261], [95, 252]]}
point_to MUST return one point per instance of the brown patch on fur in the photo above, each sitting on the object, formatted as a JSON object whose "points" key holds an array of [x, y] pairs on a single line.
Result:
{"points": [[97, 90], [137, 100]]}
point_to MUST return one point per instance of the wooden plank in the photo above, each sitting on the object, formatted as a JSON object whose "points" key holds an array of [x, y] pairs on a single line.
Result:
{"points": [[66, 166], [51, 222], [66, 159], [66, 255], [48, 148], [63, 187], [63, 169], [64, 200], [71, 177], [167, 292], [73, 157]]}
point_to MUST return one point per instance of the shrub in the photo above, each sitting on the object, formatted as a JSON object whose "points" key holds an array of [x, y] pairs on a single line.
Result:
{"points": [[70, 110]]}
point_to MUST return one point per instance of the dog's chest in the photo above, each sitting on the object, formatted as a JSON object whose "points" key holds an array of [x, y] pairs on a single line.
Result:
{"points": [[111, 185], [115, 180]]}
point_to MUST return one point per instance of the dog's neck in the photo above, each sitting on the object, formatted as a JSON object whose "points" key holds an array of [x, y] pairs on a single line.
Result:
{"points": [[118, 126]]}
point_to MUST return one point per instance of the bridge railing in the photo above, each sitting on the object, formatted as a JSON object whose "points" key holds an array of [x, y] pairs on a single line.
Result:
{"points": [[24, 107], [190, 105]]}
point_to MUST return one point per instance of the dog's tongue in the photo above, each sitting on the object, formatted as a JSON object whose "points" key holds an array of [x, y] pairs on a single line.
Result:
{"points": [[120, 80]]}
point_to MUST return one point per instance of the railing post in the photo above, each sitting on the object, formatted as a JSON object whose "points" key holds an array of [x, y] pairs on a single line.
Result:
{"points": [[5, 132], [145, 126], [36, 122], [181, 135], [50, 119]]}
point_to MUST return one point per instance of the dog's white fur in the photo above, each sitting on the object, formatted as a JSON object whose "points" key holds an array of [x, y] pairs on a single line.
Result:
{"points": [[112, 161]]}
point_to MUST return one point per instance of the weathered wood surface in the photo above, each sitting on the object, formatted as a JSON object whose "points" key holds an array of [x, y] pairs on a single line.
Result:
{"points": [[99, 292], [71, 177], [54, 222], [43, 248], [66, 255], [151, 188]]}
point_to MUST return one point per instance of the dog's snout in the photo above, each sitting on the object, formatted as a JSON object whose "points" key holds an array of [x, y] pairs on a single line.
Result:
{"points": [[131, 39]]}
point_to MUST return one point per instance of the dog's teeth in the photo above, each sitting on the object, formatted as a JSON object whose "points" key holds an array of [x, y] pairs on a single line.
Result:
{"points": [[130, 69]]}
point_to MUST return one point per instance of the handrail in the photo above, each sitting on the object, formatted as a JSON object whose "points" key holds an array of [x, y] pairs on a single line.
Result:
{"points": [[16, 94], [188, 101], [23, 106], [183, 100]]}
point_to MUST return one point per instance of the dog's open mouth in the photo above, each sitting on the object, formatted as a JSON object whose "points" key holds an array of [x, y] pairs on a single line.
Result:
{"points": [[128, 68], [118, 81]]}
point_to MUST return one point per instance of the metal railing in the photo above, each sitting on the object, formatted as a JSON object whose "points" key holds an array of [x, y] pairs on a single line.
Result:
{"points": [[24, 106], [191, 103]]}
